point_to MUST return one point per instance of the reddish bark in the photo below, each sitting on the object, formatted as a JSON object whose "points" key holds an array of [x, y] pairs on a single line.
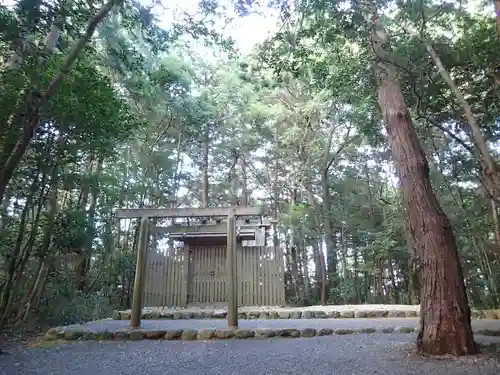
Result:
{"points": [[445, 312]]}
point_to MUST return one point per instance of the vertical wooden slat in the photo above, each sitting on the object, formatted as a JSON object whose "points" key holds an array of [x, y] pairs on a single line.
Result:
{"points": [[200, 274], [246, 268], [178, 280], [203, 270], [164, 281], [211, 262], [220, 274], [194, 274], [255, 276], [243, 276], [206, 273], [272, 299], [262, 280], [185, 275], [145, 293], [180, 276], [201, 285], [282, 275], [199, 259], [224, 273], [191, 277], [169, 285], [237, 255], [250, 276], [150, 274], [217, 273], [232, 276], [258, 292], [171, 277], [272, 277], [265, 281], [156, 277], [268, 276], [214, 253], [275, 280], [167, 278], [210, 278], [151, 278], [279, 279]]}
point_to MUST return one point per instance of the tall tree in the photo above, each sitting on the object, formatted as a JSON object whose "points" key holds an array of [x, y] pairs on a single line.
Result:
{"points": [[445, 313]]}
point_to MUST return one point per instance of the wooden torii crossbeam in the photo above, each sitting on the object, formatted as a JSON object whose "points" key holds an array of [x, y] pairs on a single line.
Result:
{"points": [[144, 214], [133, 213]]}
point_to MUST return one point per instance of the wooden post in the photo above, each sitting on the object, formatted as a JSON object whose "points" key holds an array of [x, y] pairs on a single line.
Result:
{"points": [[232, 279], [140, 270]]}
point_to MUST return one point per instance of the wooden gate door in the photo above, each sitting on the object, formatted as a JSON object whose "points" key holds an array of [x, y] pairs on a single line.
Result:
{"points": [[207, 274]]}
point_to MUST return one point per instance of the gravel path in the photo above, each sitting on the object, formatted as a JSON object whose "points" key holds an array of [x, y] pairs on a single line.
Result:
{"points": [[276, 323], [381, 354]]}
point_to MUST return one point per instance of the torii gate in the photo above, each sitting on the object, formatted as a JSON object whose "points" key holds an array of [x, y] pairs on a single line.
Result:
{"points": [[144, 214]]}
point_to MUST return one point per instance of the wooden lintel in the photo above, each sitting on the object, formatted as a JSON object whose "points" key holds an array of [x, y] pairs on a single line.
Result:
{"points": [[131, 213], [219, 228]]}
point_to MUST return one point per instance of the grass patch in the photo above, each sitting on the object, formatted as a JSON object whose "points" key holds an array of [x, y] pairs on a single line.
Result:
{"points": [[45, 344]]}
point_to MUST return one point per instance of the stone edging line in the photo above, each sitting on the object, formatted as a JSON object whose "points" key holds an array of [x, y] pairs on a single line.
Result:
{"points": [[291, 314], [67, 334]]}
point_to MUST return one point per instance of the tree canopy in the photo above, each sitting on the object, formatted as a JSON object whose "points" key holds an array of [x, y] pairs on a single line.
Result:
{"points": [[108, 105]]}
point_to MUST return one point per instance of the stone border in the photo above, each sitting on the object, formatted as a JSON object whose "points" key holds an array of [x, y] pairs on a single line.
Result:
{"points": [[291, 314], [72, 334], [270, 314]]}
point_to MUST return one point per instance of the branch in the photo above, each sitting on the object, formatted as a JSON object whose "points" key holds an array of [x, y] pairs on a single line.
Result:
{"points": [[450, 133], [77, 49], [477, 138], [341, 148]]}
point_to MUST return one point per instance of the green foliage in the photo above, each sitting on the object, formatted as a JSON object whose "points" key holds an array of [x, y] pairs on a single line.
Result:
{"points": [[69, 232], [293, 124]]}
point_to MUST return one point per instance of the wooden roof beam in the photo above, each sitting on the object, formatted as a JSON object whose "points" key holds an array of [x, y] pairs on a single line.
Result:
{"points": [[132, 213]]}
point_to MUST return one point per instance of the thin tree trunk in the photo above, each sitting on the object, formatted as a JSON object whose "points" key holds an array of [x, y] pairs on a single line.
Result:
{"points": [[315, 225], [205, 166], [6, 297], [5, 212], [497, 11], [357, 293], [489, 167], [494, 215], [87, 251], [35, 294], [245, 194], [445, 312], [329, 160], [345, 271], [378, 280]]}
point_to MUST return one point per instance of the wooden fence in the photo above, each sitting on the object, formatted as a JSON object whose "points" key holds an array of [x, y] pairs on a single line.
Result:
{"points": [[198, 275]]}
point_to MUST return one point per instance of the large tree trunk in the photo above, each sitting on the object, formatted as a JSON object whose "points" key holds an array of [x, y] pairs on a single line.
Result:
{"points": [[445, 313]]}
